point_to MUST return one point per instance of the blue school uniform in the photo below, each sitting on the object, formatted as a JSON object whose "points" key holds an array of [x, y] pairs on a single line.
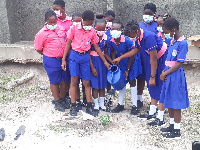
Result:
{"points": [[174, 90], [125, 46], [152, 27], [99, 82], [148, 42], [109, 36]]}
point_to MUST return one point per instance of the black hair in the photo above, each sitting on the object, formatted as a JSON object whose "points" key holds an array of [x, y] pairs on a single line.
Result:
{"points": [[61, 3], [49, 13], [131, 26], [165, 16], [171, 23], [76, 14], [118, 22], [110, 13], [100, 19], [88, 15], [150, 6]]}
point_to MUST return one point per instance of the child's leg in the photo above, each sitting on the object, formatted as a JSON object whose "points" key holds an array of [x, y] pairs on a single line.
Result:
{"points": [[140, 87], [84, 97], [67, 89], [95, 96], [109, 87], [55, 91], [78, 93], [62, 89], [101, 98], [153, 106], [133, 92], [87, 90], [73, 89], [160, 111], [177, 118]]}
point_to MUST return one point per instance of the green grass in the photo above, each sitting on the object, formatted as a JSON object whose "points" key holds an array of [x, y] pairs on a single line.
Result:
{"points": [[197, 108], [5, 80], [105, 119], [57, 128]]}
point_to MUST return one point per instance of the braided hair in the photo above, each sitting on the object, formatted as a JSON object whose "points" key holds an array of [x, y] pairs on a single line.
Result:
{"points": [[165, 16], [131, 26]]}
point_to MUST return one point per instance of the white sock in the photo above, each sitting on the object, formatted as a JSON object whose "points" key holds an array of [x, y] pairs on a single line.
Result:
{"points": [[161, 115], [152, 109], [121, 95], [134, 95], [171, 120], [177, 125], [96, 103], [158, 116], [101, 100], [139, 97]]}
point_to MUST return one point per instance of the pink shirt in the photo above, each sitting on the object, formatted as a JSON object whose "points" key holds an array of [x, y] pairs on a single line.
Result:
{"points": [[65, 23], [81, 39], [51, 42]]}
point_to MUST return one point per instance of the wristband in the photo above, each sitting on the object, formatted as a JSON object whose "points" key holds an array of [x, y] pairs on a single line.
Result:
{"points": [[127, 69], [152, 76]]}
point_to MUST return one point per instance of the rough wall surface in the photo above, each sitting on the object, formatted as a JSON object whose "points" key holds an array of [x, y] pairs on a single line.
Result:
{"points": [[187, 12], [22, 19], [4, 28]]}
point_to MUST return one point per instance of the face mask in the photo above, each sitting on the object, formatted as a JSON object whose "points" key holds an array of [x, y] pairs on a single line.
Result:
{"points": [[115, 34], [148, 18], [87, 27], [101, 33], [108, 24], [76, 23], [159, 29], [58, 13], [167, 36], [133, 39], [51, 27]]}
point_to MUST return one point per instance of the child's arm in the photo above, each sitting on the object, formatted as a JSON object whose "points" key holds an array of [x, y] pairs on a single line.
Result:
{"points": [[107, 56], [67, 48], [94, 71], [98, 50], [130, 63], [169, 71], [133, 52], [40, 51], [153, 62]]}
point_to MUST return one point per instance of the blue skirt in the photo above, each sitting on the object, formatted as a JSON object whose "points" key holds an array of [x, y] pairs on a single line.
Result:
{"points": [[99, 82], [174, 92], [136, 68]]}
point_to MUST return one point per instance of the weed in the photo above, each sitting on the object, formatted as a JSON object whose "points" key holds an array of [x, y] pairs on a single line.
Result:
{"points": [[105, 119]]}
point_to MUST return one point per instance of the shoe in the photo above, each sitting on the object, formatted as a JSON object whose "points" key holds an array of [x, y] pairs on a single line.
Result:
{"points": [[91, 111], [78, 106], [156, 122], [103, 108], [68, 99], [139, 104], [134, 110], [53, 101], [174, 134], [2, 134], [59, 105], [118, 109], [196, 145], [168, 129], [147, 116], [73, 111], [66, 103]]}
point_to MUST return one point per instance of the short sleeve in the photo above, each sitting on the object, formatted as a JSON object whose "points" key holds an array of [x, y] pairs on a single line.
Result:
{"points": [[95, 38], [182, 51], [70, 33], [129, 44], [109, 43], [150, 42], [39, 41]]}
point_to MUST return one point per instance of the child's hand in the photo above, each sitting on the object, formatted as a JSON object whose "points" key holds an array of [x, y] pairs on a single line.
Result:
{"points": [[126, 74], [117, 60], [63, 65], [94, 72], [163, 77], [107, 65], [152, 81]]}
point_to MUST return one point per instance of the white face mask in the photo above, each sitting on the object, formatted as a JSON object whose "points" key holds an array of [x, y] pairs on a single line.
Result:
{"points": [[108, 24], [51, 27], [101, 33], [115, 34], [148, 18], [87, 27], [58, 13], [159, 29], [76, 23], [133, 39]]}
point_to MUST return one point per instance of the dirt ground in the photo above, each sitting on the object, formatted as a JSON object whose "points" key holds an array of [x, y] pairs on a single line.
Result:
{"points": [[29, 104]]}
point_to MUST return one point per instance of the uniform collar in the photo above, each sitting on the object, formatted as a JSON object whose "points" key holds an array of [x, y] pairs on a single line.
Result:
{"points": [[121, 40], [179, 40], [67, 18]]}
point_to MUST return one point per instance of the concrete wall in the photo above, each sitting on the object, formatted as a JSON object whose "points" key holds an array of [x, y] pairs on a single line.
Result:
{"points": [[21, 19], [187, 12]]}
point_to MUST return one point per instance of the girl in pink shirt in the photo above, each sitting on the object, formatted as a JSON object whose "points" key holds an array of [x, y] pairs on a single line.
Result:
{"points": [[50, 41]]}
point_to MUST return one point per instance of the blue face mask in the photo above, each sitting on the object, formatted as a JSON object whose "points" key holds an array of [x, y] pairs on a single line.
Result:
{"points": [[159, 29], [148, 18], [167, 36]]}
